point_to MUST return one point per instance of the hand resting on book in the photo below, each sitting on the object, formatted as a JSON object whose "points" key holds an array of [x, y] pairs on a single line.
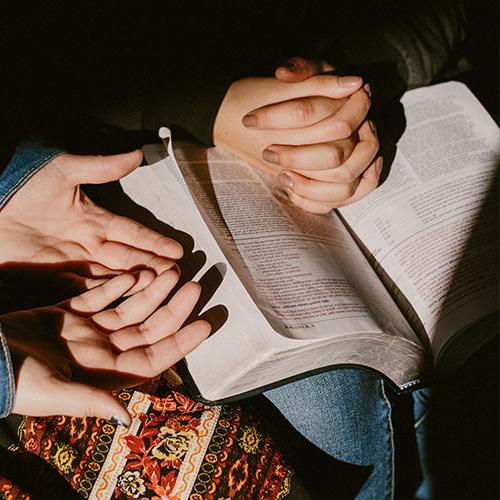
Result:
{"points": [[312, 133]]}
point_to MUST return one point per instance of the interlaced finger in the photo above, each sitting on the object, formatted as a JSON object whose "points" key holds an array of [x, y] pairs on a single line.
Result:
{"points": [[294, 113], [339, 125], [368, 182], [329, 192], [361, 157], [312, 206], [311, 157]]}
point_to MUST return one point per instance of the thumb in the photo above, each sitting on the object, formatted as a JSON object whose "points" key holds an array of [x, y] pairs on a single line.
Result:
{"points": [[41, 392], [298, 69], [102, 169], [80, 400]]}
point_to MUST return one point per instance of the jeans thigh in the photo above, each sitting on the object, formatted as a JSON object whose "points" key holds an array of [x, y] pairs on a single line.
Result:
{"points": [[346, 413]]}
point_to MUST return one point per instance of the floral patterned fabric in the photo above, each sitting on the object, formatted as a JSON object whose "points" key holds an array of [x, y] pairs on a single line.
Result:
{"points": [[175, 449], [9, 491]]}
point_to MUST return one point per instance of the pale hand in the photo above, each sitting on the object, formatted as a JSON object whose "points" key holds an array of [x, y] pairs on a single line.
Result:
{"points": [[65, 356], [51, 221], [310, 130]]}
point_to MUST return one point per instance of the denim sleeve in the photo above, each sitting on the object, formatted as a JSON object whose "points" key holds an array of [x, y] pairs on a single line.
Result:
{"points": [[28, 158], [7, 385], [421, 39]]}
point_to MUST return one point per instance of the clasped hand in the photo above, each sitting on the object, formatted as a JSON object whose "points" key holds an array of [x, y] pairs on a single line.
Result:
{"points": [[308, 129]]}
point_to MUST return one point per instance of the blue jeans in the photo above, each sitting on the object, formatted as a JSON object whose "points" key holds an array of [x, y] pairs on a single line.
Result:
{"points": [[347, 414], [457, 432], [454, 428]]}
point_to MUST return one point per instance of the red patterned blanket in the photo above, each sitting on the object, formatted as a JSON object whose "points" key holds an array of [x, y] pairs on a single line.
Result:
{"points": [[175, 449]]}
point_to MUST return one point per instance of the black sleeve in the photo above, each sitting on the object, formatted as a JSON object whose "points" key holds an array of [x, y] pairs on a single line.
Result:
{"points": [[423, 38], [398, 45]]}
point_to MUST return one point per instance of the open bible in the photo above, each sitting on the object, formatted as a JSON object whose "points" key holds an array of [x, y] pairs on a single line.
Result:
{"points": [[404, 282]]}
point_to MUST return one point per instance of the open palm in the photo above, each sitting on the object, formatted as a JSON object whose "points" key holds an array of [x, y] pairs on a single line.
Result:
{"points": [[58, 350], [51, 221]]}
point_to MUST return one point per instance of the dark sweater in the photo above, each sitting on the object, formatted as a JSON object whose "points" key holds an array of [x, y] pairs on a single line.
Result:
{"points": [[144, 64]]}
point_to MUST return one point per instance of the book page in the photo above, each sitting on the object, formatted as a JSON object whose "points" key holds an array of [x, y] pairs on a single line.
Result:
{"points": [[159, 188], [432, 226], [303, 270], [303, 298]]}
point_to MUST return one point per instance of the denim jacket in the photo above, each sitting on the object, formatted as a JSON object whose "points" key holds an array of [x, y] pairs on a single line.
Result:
{"points": [[29, 157]]}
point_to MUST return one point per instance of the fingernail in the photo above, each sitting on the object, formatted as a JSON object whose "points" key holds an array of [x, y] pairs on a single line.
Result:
{"points": [[379, 166], [270, 156], [286, 180], [115, 419], [368, 89], [288, 65], [350, 81], [373, 127], [249, 120]]}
